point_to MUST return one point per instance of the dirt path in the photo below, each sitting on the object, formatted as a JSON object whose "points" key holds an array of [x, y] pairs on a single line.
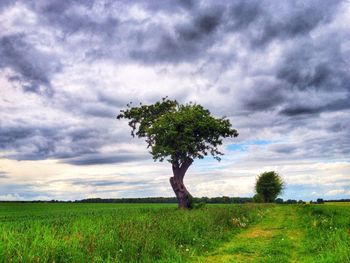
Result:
{"points": [[275, 239]]}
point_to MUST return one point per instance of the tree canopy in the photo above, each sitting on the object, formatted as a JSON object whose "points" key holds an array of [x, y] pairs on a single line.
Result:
{"points": [[177, 132], [268, 186]]}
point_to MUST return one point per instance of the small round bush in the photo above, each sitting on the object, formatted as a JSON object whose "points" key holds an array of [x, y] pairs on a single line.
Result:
{"points": [[268, 186]]}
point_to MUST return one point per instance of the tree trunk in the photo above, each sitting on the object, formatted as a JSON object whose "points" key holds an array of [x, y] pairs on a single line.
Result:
{"points": [[182, 195]]}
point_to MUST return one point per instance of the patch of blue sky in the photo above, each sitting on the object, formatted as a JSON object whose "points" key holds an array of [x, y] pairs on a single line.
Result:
{"points": [[242, 147], [208, 163], [312, 192]]}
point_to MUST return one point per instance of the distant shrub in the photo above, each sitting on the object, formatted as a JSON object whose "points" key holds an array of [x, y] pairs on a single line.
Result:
{"points": [[199, 205], [268, 186], [194, 203], [279, 201], [257, 198], [320, 201]]}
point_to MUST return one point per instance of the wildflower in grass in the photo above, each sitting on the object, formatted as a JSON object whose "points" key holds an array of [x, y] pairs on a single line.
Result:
{"points": [[187, 250], [238, 222]]}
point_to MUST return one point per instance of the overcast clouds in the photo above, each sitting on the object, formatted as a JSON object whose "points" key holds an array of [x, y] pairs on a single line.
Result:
{"points": [[278, 69]]}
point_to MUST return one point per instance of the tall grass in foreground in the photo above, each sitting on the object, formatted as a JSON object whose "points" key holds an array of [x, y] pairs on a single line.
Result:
{"points": [[327, 233], [115, 232]]}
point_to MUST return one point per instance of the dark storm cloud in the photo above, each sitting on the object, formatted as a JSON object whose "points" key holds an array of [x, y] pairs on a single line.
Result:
{"points": [[99, 111], [264, 95], [299, 110], [11, 135], [105, 158], [111, 100], [31, 68], [70, 20], [332, 146], [264, 21], [293, 108], [202, 25], [257, 22], [336, 147], [316, 70], [101, 104], [242, 14], [321, 66], [187, 41], [61, 142], [5, 3], [74, 145], [301, 18], [19, 138], [313, 75], [284, 148], [34, 69], [98, 183], [337, 127], [168, 5], [308, 67]]}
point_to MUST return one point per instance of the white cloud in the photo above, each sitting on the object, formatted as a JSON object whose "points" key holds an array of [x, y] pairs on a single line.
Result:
{"points": [[11, 197], [335, 192]]}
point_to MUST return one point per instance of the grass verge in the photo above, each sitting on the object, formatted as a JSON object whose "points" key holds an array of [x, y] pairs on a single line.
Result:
{"points": [[115, 232]]}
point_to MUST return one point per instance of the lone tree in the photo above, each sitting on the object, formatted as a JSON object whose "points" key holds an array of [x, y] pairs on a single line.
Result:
{"points": [[178, 133], [268, 186]]}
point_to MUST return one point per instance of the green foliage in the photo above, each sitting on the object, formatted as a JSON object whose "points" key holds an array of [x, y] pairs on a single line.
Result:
{"points": [[178, 132], [327, 232], [199, 205], [71, 232], [269, 185], [279, 201], [320, 201], [162, 200], [257, 198]]}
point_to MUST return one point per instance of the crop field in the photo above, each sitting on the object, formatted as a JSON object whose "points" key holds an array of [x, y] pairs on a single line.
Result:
{"points": [[72, 232]]}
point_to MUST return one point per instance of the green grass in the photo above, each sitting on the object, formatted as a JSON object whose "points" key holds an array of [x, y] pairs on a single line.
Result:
{"points": [[162, 233], [291, 233], [114, 232], [338, 203], [327, 232]]}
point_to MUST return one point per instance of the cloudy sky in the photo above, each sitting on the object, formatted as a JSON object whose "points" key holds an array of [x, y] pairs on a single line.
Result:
{"points": [[279, 70]]}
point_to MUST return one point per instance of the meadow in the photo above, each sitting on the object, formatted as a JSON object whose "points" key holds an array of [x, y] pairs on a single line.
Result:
{"points": [[72, 232]]}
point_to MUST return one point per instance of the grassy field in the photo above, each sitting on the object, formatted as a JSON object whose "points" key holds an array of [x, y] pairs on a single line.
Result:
{"points": [[291, 233], [161, 233]]}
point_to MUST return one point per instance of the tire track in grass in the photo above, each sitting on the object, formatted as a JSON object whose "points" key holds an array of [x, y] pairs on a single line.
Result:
{"points": [[275, 239]]}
